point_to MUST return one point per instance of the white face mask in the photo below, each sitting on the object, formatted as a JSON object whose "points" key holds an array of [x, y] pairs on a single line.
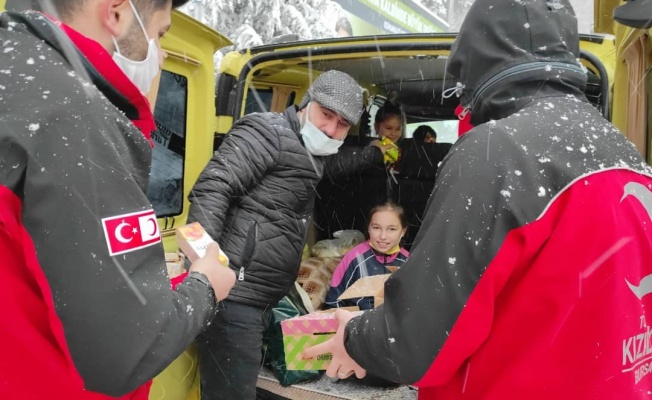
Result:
{"points": [[141, 73], [316, 141]]}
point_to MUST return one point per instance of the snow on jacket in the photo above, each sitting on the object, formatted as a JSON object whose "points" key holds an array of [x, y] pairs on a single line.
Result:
{"points": [[77, 169], [357, 263], [530, 276], [256, 197]]}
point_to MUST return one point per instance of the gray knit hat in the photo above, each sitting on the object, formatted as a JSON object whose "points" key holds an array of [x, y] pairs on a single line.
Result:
{"points": [[336, 91]]}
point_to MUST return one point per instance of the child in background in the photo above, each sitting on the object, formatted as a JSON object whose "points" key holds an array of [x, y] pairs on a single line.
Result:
{"points": [[388, 124], [424, 134], [387, 225]]}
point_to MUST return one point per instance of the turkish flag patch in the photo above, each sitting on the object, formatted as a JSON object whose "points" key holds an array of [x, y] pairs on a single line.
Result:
{"points": [[129, 232]]}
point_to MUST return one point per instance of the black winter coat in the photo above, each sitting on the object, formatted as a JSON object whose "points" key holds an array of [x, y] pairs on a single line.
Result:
{"points": [[256, 198]]}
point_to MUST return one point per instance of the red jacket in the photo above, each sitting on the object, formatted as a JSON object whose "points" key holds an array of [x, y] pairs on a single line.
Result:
{"points": [[37, 359], [531, 274], [83, 273], [37, 363], [570, 323]]}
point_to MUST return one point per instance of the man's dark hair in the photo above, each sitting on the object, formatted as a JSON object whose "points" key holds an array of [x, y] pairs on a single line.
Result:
{"points": [[157, 4], [344, 23], [66, 8]]}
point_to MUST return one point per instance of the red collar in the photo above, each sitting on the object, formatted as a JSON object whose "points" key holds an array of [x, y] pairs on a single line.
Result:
{"points": [[104, 64]]}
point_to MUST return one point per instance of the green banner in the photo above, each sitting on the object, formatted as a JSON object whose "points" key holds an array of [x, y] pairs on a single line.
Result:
{"points": [[403, 15], [378, 17]]}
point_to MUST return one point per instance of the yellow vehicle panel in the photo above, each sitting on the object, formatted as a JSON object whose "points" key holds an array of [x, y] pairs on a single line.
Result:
{"points": [[190, 47], [632, 86]]}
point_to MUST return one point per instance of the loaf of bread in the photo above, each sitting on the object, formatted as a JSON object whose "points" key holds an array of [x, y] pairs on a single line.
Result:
{"points": [[315, 277]]}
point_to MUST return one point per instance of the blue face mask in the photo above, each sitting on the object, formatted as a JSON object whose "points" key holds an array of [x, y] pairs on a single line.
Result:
{"points": [[316, 141]]}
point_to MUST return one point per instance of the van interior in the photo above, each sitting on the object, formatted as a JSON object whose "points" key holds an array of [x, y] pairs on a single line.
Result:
{"points": [[410, 71]]}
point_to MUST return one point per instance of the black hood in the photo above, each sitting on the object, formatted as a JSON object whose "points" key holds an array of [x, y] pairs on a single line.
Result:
{"points": [[509, 52]]}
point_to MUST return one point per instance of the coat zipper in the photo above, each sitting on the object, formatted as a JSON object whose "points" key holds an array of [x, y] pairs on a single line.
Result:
{"points": [[250, 246]]}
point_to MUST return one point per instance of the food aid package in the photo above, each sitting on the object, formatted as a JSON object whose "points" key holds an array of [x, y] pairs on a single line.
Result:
{"points": [[193, 241]]}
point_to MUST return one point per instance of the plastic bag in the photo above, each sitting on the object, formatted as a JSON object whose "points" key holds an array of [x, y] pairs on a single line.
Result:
{"points": [[289, 306], [344, 241]]}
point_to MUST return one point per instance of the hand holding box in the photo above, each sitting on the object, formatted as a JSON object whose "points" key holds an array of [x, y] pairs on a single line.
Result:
{"points": [[305, 331], [193, 241]]}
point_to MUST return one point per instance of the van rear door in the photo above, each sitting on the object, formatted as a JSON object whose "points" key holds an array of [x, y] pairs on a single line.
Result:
{"points": [[184, 110], [632, 84]]}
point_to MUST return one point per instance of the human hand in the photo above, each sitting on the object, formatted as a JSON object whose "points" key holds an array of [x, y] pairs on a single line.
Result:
{"points": [[221, 277], [342, 365], [383, 147], [389, 150]]}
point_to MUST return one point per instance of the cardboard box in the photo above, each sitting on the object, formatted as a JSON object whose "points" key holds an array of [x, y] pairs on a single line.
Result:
{"points": [[305, 331], [193, 241]]}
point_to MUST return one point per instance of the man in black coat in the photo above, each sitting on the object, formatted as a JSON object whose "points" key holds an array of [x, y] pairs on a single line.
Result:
{"points": [[256, 197]]}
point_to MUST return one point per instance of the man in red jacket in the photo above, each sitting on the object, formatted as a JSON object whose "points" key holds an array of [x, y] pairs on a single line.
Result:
{"points": [[531, 275], [88, 307]]}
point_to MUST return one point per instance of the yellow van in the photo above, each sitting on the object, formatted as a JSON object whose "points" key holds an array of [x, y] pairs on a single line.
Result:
{"points": [[408, 68], [195, 106], [632, 83]]}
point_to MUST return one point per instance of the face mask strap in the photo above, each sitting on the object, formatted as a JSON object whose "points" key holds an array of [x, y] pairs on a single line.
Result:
{"points": [[115, 43], [307, 113], [140, 21]]}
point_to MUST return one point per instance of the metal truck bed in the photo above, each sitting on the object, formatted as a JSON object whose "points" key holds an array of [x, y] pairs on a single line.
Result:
{"points": [[268, 388]]}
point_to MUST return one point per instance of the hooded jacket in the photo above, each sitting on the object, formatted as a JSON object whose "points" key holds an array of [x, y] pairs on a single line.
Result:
{"points": [[531, 272], [85, 251], [256, 196]]}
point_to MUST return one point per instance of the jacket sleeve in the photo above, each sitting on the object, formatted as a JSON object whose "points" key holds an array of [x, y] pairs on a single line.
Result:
{"points": [[240, 163], [464, 225], [75, 163], [352, 159]]}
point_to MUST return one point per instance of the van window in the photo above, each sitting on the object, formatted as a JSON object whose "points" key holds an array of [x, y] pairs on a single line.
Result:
{"points": [[446, 130], [258, 100], [165, 190]]}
